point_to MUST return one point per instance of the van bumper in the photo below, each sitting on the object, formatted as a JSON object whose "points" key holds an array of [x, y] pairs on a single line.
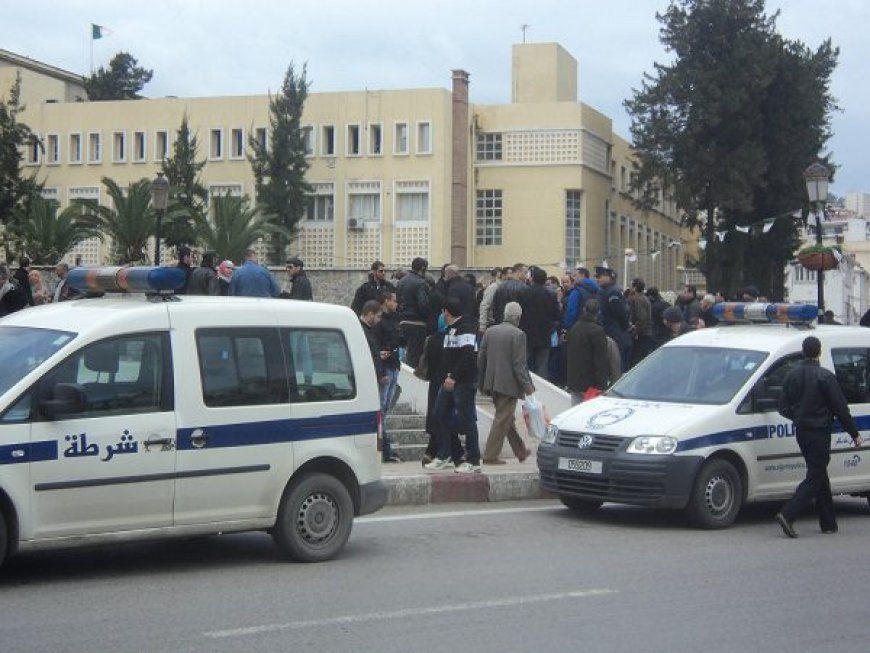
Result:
{"points": [[655, 481], [372, 497]]}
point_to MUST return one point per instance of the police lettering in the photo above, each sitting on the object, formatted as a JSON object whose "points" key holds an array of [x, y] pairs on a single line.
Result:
{"points": [[780, 431]]}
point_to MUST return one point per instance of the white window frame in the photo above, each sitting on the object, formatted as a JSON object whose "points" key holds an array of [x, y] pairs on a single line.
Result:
{"points": [[325, 141], [412, 187], [396, 150], [365, 187], [219, 188], [419, 124], [33, 150], [71, 149], [99, 142], [234, 156], [309, 140], [370, 142], [123, 157], [480, 221], [139, 135], [348, 141], [265, 132], [49, 160], [325, 189], [219, 132], [158, 155]]}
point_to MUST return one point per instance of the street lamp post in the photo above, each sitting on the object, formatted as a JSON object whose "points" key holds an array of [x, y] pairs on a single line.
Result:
{"points": [[816, 177], [159, 198]]}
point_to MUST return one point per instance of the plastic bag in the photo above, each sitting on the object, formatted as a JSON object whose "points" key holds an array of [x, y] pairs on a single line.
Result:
{"points": [[535, 417]]}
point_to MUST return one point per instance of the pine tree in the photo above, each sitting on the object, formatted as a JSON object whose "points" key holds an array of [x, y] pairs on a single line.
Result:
{"points": [[187, 193], [279, 169], [122, 80]]}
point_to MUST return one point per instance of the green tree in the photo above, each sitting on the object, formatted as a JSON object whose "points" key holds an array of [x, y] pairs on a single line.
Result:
{"points": [[188, 196], [16, 189], [122, 80], [280, 167], [47, 236], [233, 228], [129, 222], [727, 127]]}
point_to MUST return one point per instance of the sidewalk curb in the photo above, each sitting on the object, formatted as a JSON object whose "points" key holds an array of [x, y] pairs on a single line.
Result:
{"points": [[443, 487]]}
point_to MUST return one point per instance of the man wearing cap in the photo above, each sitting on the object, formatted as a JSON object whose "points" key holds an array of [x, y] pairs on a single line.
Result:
{"points": [[301, 285], [674, 322], [614, 313]]}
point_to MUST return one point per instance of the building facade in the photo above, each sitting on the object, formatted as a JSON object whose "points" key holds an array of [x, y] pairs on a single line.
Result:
{"points": [[396, 173]]}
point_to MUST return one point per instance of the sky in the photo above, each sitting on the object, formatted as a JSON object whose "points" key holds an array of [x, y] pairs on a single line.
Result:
{"points": [[222, 47]]}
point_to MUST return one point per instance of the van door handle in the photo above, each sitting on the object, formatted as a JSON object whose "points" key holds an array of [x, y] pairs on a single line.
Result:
{"points": [[198, 438], [165, 444]]}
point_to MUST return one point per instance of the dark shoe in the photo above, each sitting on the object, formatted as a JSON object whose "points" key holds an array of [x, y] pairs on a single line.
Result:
{"points": [[525, 454], [426, 459], [786, 525], [830, 530], [497, 461]]}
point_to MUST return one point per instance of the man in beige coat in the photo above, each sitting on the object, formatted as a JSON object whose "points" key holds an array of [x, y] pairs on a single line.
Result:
{"points": [[504, 375]]}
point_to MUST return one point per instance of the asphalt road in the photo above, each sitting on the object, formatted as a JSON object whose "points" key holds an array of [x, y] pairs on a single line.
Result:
{"points": [[498, 577]]}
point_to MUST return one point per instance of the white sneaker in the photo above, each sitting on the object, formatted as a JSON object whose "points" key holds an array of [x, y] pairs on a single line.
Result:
{"points": [[439, 464], [467, 468]]}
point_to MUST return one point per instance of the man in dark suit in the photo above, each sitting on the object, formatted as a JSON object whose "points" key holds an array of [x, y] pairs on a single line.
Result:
{"points": [[504, 375], [540, 318], [588, 365]]}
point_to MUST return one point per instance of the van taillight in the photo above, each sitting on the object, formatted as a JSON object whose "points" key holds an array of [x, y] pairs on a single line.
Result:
{"points": [[380, 430]]}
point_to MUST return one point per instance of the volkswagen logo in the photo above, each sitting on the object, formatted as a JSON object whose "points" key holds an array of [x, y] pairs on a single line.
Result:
{"points": [[585, 442]]}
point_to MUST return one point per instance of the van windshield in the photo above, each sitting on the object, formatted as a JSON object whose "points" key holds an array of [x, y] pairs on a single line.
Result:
{"points": [[695, 375], [23, 348]]}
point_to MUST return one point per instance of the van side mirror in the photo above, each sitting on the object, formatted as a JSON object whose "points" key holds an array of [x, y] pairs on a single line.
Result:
{"points": [[69, 399]]}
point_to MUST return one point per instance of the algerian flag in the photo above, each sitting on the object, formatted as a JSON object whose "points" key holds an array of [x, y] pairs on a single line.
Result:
{"points": [[98, 31]]}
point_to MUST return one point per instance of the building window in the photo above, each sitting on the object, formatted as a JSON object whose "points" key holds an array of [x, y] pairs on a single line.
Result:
{"points": [[52, 149], [488, 146], [376, 140], [119, 147], [424, 138], [94, 152], [222, 190], [308, 140], [364, 201], [237, 143], [75, 148], [140, 148], [412, 201], [216, 144], [161, 145], [34, 151], [321, 203], [401, 143], [488, 217], [260, 135], [353, 146], [327, 140], [572, 228]]}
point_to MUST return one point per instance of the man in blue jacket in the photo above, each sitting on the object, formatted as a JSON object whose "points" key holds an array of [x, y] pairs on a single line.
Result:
{"points": [[253, 280]]}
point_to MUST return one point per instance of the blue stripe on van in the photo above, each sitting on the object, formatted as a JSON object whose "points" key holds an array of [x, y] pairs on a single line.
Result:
{"points": [[282, 430], [33, 452]]}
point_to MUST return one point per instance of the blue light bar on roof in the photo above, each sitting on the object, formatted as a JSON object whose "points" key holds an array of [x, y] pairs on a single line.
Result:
{"points": [[126, 279], [758, 312]]}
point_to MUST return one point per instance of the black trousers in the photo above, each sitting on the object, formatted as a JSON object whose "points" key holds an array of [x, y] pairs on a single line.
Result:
{"points": [[815, 445], [415, 338]]}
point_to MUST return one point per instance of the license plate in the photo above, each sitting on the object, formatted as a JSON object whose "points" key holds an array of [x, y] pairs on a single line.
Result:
{"points": [[580, 465]]}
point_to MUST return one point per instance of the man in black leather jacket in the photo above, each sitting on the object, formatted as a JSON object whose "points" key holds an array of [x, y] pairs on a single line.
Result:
{"points": [[811, 397]]}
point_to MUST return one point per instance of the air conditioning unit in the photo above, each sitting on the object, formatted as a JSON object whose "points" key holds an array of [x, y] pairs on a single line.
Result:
{"points": [[354, 224]]}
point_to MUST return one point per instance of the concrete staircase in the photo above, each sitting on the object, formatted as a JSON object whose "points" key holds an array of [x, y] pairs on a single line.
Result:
{"points": [[407, 431]]}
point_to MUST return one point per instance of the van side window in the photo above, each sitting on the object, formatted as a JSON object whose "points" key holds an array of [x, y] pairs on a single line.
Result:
{"points": [[241, 367], [319, 365], [852, 367], [765, 394], [118, 376]]}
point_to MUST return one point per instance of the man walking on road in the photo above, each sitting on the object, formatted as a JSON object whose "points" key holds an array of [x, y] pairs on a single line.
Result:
{"points": [[504, 375], [811, 397]]}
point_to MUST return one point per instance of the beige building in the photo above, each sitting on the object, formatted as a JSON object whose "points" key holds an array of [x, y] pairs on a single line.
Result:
{"points": [[396, 173]]}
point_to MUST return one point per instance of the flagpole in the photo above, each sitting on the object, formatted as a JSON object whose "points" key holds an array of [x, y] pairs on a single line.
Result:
{"points": [[91, 39]]}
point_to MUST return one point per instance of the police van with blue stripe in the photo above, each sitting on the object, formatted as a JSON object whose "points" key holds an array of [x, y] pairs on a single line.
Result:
{"points": [[695, 425], [148, 415]]}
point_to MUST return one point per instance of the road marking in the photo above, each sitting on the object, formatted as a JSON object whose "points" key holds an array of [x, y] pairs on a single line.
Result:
{"points": [[408, 612], [456, 513]]}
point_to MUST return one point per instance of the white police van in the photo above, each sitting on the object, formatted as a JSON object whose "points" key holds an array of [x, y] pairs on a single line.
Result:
{"points": [[694, 426], [152, 415]]}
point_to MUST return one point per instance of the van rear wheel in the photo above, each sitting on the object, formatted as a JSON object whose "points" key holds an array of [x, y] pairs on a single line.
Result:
{"points": [[717, 495], [580, 505], [314, 519]]}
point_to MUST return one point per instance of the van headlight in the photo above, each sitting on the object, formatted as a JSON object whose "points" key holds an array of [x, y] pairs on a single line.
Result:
{"points": [[659, 445], [550, 435]]}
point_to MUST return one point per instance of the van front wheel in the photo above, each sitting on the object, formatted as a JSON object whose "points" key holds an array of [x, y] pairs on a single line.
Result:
{"points": [[717, 495], [314, 518]]}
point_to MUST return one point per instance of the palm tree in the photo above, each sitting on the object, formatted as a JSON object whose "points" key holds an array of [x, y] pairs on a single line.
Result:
{"points": [[47, 236], [130, 223], [234, 227]]}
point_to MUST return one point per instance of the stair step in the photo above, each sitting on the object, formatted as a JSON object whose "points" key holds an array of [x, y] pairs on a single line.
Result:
{"points": [[395, 422], [408, 436]]}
